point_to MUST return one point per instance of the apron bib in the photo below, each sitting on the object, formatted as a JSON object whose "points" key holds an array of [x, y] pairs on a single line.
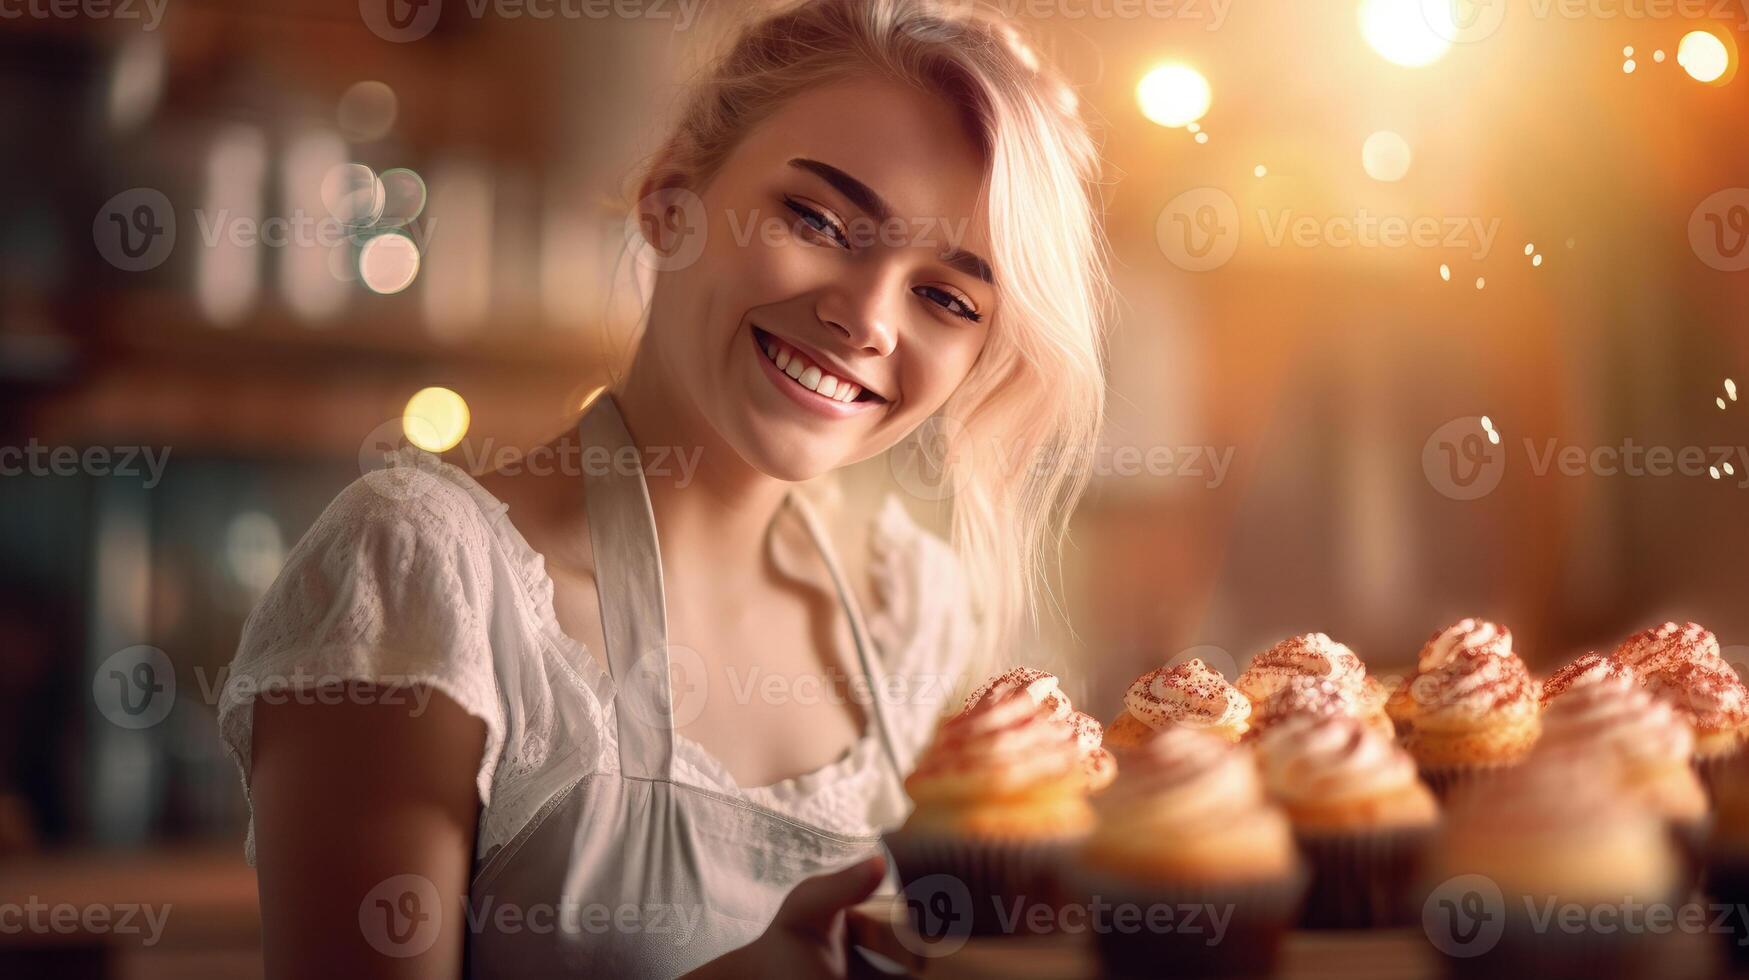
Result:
{"points": [[634, 873]]}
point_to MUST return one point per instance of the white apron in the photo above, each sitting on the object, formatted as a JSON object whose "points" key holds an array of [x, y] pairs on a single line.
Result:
{"points": [[634, 873]]}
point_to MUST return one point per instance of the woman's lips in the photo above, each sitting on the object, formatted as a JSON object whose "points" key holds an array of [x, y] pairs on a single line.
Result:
{"points": [[793, 388]]}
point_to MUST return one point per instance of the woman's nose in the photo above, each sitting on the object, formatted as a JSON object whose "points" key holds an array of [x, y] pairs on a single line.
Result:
{"points": [[864, 310]]}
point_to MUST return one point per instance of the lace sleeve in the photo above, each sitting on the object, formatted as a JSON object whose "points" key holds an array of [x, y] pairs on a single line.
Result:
{"points": [[388, 587]]}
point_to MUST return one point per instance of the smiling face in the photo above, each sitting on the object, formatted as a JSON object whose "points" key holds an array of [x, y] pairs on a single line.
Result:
{"points": [[841, 240]]}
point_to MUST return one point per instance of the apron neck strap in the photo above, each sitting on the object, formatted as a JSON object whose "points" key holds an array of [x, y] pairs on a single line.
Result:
{"points": [[628, 581]]}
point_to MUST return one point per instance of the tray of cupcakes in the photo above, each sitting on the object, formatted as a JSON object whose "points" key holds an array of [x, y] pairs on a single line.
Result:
{"points": [[1307, 819]]}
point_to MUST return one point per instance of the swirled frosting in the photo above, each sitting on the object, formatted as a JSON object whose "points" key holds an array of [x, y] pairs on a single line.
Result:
{"points": [[1041, 685], [1191, 694], [1587, 669], [1465, 636], [1307, 655], [1473, 683], [1317, 697], [1669, 645], [1332, 758], [1004, 742], [1708, 693], [1614, 714], [1100, 767], [1180, 784]]}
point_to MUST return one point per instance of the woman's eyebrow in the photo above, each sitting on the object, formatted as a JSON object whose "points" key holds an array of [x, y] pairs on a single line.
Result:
{"points": [[865, 198]]}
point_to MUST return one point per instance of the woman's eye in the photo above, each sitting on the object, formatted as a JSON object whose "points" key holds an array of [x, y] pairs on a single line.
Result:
{"points": [[817, 221], [950, 302]]}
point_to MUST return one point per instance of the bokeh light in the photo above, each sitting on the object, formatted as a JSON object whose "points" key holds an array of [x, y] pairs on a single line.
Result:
{"points": [[388, 262], [1703, 55], [1386, 156], [1174, 95], [1401, 32], [435, 419], [367, 111]]}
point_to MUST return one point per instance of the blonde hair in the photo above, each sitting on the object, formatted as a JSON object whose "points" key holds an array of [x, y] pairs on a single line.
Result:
{"points": [[1018, 434]]}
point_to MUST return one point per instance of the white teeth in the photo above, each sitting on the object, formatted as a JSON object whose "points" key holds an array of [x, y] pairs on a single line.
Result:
{"points": [[810, 376]]}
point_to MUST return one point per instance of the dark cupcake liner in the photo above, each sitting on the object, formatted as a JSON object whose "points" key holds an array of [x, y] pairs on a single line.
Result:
{"points": [[1367, 879], [1727, 882], [960, 886], [1520, 949], [1690, 838], [1188, 929]]}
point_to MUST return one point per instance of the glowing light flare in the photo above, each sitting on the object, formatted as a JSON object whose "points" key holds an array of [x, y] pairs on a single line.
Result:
{"points": [[1403, 32], [435, 419], [388, 262], [1704, 56], [1174, 95], [1445, 272], [1731, 388], [1481, 282], [1261, 170]]}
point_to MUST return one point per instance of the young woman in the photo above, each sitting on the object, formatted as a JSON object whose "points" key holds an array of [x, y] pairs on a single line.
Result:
{"points": [[626, 717]]}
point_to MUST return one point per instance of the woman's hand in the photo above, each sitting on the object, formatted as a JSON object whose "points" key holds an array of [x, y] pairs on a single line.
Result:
{"points": [[806, 938]]}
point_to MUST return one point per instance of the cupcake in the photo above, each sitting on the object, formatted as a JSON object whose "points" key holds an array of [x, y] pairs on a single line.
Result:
{"points": [[1044, 688], [1474, 707], [1359, 811], [1000, 796], [1682, 663], [1476, 635], [1314, 655], [1190, 694], [1594, 705], [1187, 824], [1535, 872]]}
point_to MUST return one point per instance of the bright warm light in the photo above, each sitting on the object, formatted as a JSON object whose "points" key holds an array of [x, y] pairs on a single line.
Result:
{"points": [[388, 262], [1260, 170], [1173, 95], [435, 419], [1703, 56], [1400, 31], [1386, 156], [1445, 272]]}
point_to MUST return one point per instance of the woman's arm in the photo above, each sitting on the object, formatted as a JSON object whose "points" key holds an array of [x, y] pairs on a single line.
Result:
{"points": [[348, 796]]}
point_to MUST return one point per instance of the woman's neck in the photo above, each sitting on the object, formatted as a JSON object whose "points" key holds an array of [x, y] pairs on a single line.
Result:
{"points": [[712, 509]]}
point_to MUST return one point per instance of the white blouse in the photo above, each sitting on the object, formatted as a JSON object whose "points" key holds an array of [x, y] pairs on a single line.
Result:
{"points": [[415, 575]]}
